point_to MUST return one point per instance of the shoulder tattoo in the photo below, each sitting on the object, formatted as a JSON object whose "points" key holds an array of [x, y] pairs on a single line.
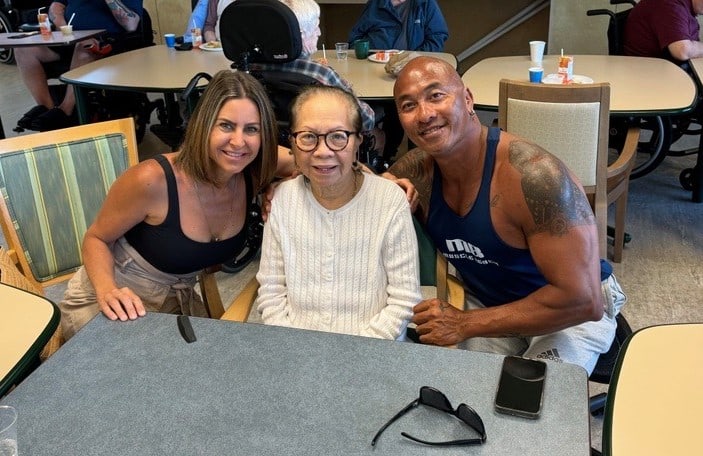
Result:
{"points": [[555, 201]]}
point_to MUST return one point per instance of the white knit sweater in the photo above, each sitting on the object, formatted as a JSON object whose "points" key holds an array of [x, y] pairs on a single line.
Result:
{"points": [[353, 270]]}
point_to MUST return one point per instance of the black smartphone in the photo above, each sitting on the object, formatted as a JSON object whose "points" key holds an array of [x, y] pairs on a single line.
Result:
{"points": [[520, 387]]}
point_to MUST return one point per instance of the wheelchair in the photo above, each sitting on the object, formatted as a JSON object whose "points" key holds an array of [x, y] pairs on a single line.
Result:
{"points": [[658, 132], [16, 15], [102, 104], [246, 34]]}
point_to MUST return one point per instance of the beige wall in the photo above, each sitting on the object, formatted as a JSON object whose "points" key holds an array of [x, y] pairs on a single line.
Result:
{"points": [[563, 24], [168, 16], [468, 21]]}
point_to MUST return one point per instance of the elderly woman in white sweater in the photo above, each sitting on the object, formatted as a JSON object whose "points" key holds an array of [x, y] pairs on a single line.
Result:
{"points": [[339, 251]]}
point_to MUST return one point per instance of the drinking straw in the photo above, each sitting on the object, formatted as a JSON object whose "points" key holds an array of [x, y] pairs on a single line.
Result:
{"points": [[562, 52], [194, 25], [324, 54], [39, 10], [72, 16]]}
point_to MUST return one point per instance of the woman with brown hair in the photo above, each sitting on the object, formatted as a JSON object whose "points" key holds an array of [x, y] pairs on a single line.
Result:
{"points": [[167, 218]]}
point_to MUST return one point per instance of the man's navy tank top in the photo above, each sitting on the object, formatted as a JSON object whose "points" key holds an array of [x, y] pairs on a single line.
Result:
{"points": [[495, 272]]}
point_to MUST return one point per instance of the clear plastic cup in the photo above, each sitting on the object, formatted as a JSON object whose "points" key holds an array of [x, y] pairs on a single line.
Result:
{"points": [[44, 24]]}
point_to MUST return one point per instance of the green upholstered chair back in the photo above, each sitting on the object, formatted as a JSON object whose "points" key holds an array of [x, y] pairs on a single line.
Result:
{"points": [[427, 254], [52, 193]]}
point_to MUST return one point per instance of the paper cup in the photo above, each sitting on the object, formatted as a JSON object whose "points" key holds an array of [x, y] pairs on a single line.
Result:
{"points": [[536, 74], [537, 52], [170, 40]]}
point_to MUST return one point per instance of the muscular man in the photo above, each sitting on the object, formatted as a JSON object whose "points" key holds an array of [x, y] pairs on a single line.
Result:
{"points": [[664, 28], [513, 221], [115, 16]]}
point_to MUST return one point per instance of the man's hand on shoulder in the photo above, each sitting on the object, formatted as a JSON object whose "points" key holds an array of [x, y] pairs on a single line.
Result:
{"points": [[407, 186]]}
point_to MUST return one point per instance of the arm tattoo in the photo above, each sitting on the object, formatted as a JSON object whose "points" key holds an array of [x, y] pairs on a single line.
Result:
{"points": [[122, 14], [413, 166], [555, 201], [56, 10]]}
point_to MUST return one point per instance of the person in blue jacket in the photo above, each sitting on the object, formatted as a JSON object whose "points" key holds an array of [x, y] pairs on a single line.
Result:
{"points": [[413, 25]]}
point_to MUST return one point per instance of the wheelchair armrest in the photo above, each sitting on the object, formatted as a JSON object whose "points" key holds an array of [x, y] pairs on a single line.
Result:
{"points": [[599, 12]]}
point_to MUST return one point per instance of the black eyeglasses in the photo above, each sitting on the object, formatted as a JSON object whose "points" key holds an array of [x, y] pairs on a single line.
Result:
{"points": [[336, 140], [436, 399]]}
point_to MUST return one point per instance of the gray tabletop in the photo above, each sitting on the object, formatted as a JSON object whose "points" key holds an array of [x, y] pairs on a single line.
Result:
{"points": [[138, 388], [22, 39]]}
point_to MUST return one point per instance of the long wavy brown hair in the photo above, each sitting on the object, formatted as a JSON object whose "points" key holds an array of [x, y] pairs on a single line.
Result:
{"points": [[193, 157]]}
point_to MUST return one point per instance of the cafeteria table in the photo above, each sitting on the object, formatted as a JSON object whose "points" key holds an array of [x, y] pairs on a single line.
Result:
{"points": [[639, 86], [139, 388], [27, 321], [26, 39], [655, 395], [161, 69], [369, 79]]}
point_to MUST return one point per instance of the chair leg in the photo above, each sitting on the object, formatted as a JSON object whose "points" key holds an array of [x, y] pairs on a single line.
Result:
{"points": [[619, 238], [211, 294]]}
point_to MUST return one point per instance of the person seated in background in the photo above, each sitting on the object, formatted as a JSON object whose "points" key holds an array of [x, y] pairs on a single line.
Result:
{"points": [[167, 218], [339, 251], [115, 16], [513, 221], [196, 20], [414, 25], [664, 28], [211, 29], [308, 14]]}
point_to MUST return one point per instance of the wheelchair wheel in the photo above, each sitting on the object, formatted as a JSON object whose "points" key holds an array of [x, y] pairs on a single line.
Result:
{"points": [[684, 125], [686, 179], [6, 54], [654, 143]]}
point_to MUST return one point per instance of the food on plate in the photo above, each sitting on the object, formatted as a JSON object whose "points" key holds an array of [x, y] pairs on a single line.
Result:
{"points": [[212, 45]]}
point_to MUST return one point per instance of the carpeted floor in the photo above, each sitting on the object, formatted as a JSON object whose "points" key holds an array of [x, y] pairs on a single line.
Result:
{"points": [[662, 268]]}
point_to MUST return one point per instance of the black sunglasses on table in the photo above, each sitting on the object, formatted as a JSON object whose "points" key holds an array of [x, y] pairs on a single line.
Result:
{"points": [[436, 399]]}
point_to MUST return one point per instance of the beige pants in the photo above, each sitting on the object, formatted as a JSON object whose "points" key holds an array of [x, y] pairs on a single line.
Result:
{"points": [[159, 291]]}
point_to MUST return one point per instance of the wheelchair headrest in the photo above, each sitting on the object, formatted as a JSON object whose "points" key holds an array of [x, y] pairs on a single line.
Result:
{"points": [[266, 31]]}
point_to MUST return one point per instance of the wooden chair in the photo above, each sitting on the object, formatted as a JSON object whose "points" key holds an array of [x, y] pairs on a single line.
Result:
{"points": [[53, 185], [571, 122]]}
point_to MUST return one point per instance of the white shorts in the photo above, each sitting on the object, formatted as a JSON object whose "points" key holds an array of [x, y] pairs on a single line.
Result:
{"points": [[581, 344]]}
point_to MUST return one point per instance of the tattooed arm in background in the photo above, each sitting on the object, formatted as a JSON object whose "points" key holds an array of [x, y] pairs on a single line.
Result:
{"points": [[56, 14], [128, 19]]}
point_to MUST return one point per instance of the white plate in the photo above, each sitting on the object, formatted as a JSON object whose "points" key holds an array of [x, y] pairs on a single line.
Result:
{"points": [[212, 49], [576, 79], [375, 57]]}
